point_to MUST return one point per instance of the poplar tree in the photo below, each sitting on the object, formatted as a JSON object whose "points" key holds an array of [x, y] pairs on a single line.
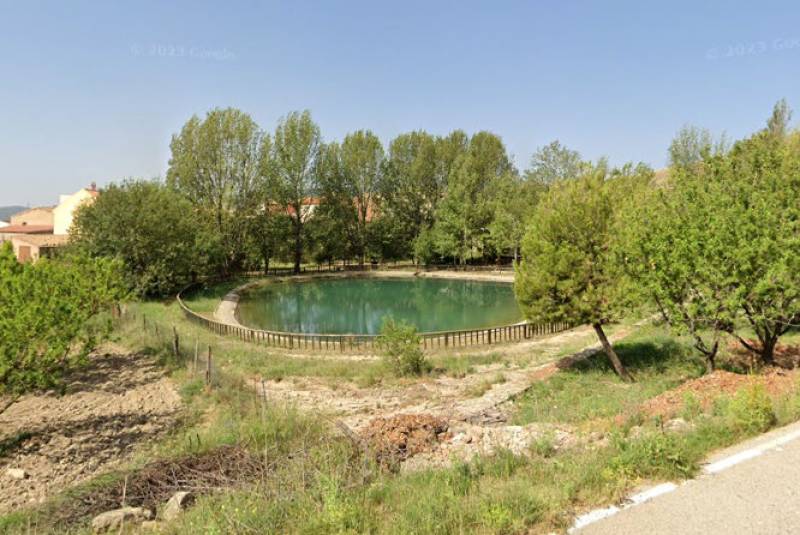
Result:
{"points": [[294, 175], [216, 164]]}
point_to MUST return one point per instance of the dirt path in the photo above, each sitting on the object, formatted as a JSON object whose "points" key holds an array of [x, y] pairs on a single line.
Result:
{"points": [[118, 402]]}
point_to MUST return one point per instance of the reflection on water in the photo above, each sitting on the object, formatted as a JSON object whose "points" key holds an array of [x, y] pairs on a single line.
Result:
{"points": [[358, 306]]}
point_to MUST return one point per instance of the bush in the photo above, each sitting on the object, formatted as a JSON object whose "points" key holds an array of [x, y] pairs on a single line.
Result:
{"points": [[49, 316], [751, 411], [400, 344]]}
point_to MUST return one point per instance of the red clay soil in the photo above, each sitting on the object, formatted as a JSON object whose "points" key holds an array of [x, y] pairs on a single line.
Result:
{"points": [[396, 438], [708, 387]]}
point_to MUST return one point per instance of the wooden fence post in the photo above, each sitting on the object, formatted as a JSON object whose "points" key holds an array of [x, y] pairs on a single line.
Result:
{"points": [[208, 367], [176, 344], [196, 355]]}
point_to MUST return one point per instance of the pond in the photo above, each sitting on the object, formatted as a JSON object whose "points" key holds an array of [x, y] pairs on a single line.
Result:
{"points": [[359, 305]]}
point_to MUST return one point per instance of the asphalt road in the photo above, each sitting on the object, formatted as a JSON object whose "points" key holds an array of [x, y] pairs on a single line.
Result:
{"points": [[759, 495]]}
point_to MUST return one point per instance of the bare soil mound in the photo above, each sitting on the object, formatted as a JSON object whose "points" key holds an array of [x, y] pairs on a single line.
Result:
{"points": [[118, 402], [397, 438], [708, 387]]}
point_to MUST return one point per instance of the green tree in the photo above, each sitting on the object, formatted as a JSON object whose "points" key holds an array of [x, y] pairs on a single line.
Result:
{"points": [[514, 200], [216, 164], [691, 144], [334, 225], [717, 249], [293, 173], [553, 163], [778, 123], [756, 191], [49, 316], [568, 272], [268, 232], [665, 248], [151, 228], [412, 184], [464, 214], [361, 182]]}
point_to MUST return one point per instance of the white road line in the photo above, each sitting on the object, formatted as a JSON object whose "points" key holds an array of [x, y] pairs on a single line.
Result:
{"points": [[649, 494], [733, 460], [755, 451], [713, 468], [593, 516]]}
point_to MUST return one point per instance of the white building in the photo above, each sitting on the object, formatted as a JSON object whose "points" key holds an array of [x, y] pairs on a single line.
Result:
{"points": [[67, 204]]}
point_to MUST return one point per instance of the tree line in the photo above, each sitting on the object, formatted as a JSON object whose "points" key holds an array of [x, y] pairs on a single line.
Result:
{"points": [[712, 244], [713, 247], [239, 198]]}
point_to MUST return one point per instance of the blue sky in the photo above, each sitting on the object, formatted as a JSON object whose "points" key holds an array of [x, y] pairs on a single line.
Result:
{"points": [[92, 91]]}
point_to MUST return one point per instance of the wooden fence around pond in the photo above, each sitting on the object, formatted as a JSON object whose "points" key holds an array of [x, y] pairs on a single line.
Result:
{"points": [[366, 342], [344, 268]]}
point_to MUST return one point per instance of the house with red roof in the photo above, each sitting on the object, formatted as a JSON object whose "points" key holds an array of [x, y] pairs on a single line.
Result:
{"points": [[38, 232]]}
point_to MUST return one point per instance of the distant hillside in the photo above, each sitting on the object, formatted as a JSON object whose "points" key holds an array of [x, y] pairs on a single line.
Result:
{"points": [[7, 211]]}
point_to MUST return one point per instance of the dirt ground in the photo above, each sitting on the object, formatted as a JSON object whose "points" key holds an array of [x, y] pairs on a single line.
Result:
{"points": [[119, 402], [705, 389], [475, 408]]}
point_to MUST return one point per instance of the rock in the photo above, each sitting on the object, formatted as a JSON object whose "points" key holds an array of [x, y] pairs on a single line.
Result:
{"points": [[677, 425], [176, 505], [17, 473], [637, 431], [594, 436], [114, 520]]}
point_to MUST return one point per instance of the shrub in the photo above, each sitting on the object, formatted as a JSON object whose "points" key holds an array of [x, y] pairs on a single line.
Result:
{"points": [[400, 344], [50, 314], [751, 410]]}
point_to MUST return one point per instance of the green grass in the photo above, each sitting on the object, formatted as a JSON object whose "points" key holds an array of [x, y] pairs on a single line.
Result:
{"points": [[232, 354], [459, 366], [321, 482], [591, 389], [207, 297]]}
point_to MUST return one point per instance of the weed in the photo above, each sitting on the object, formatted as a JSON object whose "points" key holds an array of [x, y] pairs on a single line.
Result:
{"points": [[661, 455], [544, 445], [691, 407], [479, 389], [751, 411]]}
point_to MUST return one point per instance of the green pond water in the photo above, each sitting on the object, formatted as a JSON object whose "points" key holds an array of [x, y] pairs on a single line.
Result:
{"points": [[358, 305]]}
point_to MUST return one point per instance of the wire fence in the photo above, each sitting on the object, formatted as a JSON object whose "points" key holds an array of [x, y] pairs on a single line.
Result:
{"points": [[168, 341]]}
